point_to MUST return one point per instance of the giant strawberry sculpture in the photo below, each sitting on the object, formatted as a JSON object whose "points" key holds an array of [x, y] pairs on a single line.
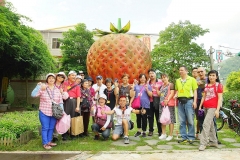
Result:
{"points": [[116, 53]]}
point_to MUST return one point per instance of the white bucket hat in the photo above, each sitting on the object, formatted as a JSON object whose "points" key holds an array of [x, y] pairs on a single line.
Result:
{"points": [[50, 74], [62, 74], [102, 96]]}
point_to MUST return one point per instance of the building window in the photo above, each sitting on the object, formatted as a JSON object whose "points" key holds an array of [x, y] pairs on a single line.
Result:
{"points": [[55, 43]]}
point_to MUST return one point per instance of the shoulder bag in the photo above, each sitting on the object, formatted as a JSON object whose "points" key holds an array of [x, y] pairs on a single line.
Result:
{"points": [[100, 121], [136, 102], [57, 110]]}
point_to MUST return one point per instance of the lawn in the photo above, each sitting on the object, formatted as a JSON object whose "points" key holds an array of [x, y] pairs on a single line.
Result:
{"points": [[88, 144]]}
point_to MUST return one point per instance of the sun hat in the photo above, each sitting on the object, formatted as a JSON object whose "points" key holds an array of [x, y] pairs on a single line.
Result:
{"points": [[81, 72], [61, 74], [102, 96], [78, 76], [50, 74]]}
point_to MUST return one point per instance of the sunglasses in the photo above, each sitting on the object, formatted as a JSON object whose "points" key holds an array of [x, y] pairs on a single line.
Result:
{"points": [[81, 74], [200, 72], [62, 77]]}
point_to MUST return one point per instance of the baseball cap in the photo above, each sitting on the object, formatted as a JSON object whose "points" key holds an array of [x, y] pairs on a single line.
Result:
{"points": [[99, 77], [72, 72]]}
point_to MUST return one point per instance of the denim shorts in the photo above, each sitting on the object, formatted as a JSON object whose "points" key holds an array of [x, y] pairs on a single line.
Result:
{"points": [[119, 129]]}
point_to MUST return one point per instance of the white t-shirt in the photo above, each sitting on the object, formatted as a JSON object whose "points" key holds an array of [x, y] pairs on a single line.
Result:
{"points": [[102, 88], [120, 116]]}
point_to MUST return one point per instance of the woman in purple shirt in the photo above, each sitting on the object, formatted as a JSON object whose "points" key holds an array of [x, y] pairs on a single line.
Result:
{"points": [[143, 90]]}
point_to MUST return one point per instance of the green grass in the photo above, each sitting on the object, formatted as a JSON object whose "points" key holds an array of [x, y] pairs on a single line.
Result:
{"points": [[88, 144]]}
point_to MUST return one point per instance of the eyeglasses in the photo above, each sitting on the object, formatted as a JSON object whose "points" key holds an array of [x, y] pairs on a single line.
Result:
{"points": [[200, 72]]}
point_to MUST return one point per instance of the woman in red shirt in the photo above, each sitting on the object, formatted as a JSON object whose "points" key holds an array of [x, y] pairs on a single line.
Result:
{"points": [[211, 102]]}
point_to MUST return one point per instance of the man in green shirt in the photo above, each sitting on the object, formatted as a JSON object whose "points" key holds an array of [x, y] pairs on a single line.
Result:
{"points": [[186, 88]]}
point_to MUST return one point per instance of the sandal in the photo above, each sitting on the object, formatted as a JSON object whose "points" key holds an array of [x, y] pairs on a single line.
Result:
{"points": [[52, 144], [46, 146]]}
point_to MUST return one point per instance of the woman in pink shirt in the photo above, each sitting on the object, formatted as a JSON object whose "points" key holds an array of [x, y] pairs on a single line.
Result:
{"points": [[97, 111], [47, 92], [211, 102]]}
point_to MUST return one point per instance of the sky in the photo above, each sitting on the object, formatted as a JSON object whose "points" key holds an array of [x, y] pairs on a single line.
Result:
{"points": [[221, 17]]}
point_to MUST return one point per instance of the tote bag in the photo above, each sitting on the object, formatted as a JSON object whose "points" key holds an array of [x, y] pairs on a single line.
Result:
{"points": [[165, 117], [77, 125]]}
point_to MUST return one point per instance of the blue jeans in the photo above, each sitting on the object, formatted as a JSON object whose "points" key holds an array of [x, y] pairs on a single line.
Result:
{"points": [[186, 114], [96, 128], [48, 124]]}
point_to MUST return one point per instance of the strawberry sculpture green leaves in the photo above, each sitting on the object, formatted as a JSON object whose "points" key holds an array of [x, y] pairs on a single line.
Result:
{"points": [[116, 53]]}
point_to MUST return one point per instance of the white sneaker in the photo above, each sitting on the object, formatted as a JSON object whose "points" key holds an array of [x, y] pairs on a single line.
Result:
{"points": [[169, 138], [163, 136]]}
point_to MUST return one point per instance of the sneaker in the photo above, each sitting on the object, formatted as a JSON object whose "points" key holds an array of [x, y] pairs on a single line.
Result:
{"points": [[96, 137], [201, 148], [150, 133], [211, 144], [64, 138], [169, 138], [121, 135], [190, 141], [144, 134], [126, 140], [105, 139], [163, 137], [137, 134], [199, 135], [182, 141]]}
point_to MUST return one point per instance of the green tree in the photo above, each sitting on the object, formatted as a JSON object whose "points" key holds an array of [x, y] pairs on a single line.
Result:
{"points": [[233, 81], [75, 45], [176, 47], [22, 49], [227, 66]]}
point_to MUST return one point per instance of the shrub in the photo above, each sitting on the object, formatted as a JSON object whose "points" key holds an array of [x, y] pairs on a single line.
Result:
{"points": [[230, 95], [7, 134], [15, 123]]}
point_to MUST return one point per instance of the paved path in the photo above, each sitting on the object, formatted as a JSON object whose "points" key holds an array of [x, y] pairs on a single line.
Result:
{"points": [[150, 151], [209, 154]]}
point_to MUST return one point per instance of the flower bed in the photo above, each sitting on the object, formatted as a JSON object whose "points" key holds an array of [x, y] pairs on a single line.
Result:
{"points": [[15, 124]]}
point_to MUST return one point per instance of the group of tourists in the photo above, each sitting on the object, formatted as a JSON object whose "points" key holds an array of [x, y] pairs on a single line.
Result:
{"points": [[109, 103]]}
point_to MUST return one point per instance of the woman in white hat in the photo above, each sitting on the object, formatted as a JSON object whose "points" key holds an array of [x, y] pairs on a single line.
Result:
{"points": [[60, 78], [97, 111], [47, 92]]}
